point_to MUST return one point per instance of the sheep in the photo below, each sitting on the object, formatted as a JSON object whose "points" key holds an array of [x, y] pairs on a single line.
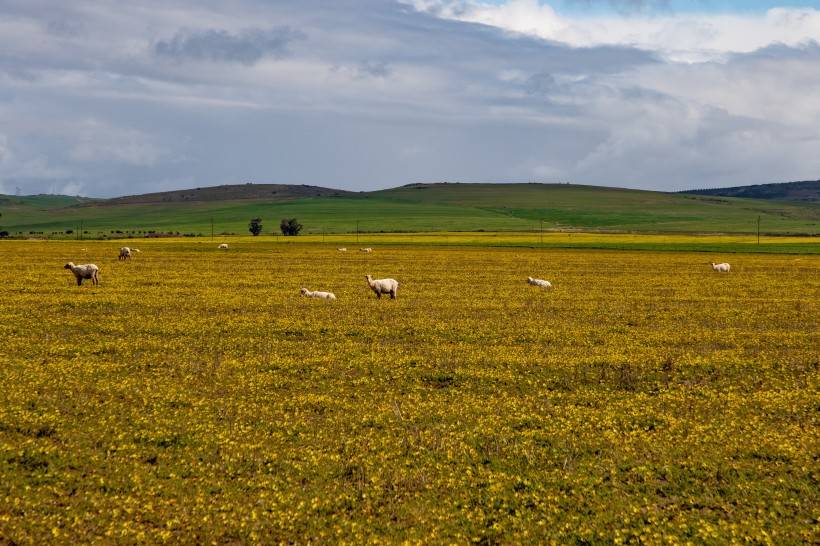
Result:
{"points": [[723, 268], [539, 282], [368, 249], [125, 253], [317, 294], [136, 250], [383, 286], [223, 245], [87, 271], [343, 249]]}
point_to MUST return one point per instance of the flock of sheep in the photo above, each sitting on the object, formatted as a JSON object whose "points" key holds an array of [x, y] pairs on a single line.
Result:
{"points": [[378, 286]]}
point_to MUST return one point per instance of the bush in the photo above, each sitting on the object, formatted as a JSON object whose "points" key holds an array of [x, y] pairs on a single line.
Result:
{"points": [[255, 226], [290, 226]]}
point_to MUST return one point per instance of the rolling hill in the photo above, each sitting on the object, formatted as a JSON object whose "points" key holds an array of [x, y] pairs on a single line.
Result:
{"points": [[808, 191], [414, 207], [279, 192]]}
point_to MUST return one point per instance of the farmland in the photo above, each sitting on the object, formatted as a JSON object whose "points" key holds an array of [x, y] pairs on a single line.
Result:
{"points": [[194, 397]]}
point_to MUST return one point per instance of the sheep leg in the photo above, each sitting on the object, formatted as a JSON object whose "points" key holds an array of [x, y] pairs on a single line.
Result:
{"points": [[79, 281], [378, 295], [96, 280], [393, 295]]}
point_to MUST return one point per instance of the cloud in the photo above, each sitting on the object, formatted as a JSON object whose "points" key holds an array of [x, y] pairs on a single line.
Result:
{"points": [[161, 94], [690, 37], [246, 47], [93, 141]]}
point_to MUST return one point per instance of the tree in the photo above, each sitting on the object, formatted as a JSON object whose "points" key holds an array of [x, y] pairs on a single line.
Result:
{"points": [[290, 226], [255, 226], [4, 234]]}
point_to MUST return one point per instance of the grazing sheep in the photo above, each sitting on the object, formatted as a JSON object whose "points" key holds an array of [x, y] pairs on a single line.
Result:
{"points": [[125, 253], [317, 294], [539, 282], [723, 268], [383, 286], [136, 250], [223, 245], [87, 271], [343, 249], [368, 249]]}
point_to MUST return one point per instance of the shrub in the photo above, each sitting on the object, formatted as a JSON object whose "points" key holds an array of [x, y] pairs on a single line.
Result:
{"points": [[290, 226]]}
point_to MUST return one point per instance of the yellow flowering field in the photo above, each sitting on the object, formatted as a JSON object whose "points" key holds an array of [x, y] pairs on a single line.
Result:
{"points": [[194, 397]]}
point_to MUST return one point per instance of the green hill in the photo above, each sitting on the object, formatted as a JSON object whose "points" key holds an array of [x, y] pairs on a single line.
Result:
{"points": [[415, 207]]}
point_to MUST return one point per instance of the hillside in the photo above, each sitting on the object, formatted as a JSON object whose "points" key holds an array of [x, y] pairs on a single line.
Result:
{"points": [[808, 191], [230, 193], [415, 207]]}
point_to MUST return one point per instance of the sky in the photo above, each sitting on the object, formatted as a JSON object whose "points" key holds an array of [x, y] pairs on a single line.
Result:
{"points": [[104, 98]]}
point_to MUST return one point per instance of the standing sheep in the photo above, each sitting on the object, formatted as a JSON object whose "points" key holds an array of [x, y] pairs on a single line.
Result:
{"points": [[368, 249], [383, 286], [722, 268], [87, 271], [223, 245], [317, 294], [343, 249], [539, 282], [125, 253]]}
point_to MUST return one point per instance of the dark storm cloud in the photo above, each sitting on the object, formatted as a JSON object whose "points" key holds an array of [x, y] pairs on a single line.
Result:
{"points": [[246, 47]]}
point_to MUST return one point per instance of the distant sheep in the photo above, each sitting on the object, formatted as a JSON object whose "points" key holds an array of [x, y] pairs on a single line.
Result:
{"points": [[343, 249], [223, 245], [722, 268], [86, 271], [136, 250], [125, 253], [383, 286], [368, 249], [317, 294], [539, 282]]}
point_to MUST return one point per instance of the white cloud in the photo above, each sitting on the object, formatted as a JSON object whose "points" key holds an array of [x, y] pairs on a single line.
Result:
{"points": [[682, 37]]}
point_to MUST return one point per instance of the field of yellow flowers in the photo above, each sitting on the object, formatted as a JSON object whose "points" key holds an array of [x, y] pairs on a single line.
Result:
{"points": [[195, 397]]}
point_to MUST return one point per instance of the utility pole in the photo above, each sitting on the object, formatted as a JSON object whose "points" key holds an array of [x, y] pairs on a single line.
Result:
{"points": [[542, 231], [758, 230], [357, 231], [212, 229], [81, 230]]}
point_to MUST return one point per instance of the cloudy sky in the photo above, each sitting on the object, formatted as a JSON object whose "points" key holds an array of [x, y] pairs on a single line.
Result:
{"points": [[105, 97]]}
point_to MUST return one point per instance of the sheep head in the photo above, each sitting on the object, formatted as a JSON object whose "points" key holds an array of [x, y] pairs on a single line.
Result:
{"points": [[69, 265]]}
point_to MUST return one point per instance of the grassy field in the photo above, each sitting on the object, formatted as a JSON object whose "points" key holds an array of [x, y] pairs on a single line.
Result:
{"points": [[194, 397], [440, 207]]}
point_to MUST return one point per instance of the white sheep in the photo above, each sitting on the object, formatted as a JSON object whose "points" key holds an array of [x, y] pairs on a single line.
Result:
{"points": [[136, 250], [723, 268], [223, 245], [125, 253], [539, 282], [317, 294], [86, 271], [383, 286], [368, 249], [343, 249]]}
